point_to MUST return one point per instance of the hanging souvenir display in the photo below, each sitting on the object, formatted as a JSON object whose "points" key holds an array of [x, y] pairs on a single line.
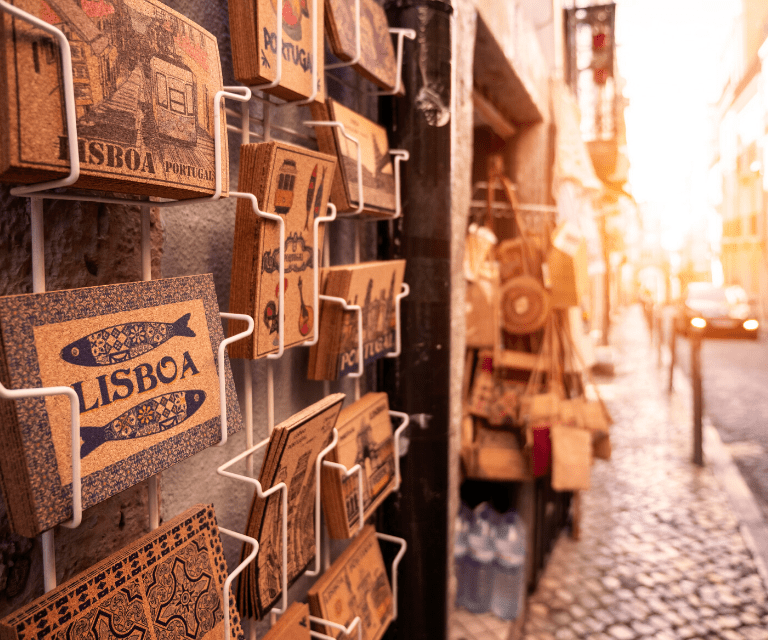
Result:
{"points": [[145, 78], [295, 183], [141, 358]]}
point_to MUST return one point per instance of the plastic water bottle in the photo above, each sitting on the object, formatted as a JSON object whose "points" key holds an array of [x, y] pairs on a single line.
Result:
{"points": [[509, 546], [478, 563], [460, 550]]}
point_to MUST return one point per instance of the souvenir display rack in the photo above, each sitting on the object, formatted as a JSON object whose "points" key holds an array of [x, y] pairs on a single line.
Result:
{"points": [[54, 190]]}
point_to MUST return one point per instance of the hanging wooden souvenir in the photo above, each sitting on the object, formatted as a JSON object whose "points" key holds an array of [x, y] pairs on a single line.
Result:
{"points": [[145, 78], [295, 183], [253, 28], [377, 55], [291, 454], [140, 356], [377, 168], [373, 286]]}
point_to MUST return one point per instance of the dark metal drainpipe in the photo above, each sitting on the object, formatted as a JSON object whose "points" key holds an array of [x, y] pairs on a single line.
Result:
{"points": [[418, 381]]}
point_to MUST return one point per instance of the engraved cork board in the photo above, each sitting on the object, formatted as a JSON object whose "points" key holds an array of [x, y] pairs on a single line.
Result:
{"points": [[356, 584], [377, 55], [377, 167], [373, 286], [142, 360], [294, 183], [145, 78], [168, 584], [253, 26], [365, 438], [291, 455]]}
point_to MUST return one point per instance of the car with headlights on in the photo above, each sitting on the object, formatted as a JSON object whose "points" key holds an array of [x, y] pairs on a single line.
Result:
{"points": [[718, 312]]}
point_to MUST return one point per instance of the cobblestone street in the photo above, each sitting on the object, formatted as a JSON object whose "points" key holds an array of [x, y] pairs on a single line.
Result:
{"points": [[661, 554]]}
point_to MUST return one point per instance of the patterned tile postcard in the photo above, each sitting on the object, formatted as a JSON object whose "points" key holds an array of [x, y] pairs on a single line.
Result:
{"points": [[168, 585], [145, 78], [142, 359]]}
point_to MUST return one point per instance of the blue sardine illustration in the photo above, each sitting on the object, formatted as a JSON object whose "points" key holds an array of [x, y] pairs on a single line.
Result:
{"points": [[123, 342], [151, 416]]}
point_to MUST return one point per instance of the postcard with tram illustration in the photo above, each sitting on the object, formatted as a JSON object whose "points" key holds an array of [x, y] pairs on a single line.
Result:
{"points": [[167, 584], [145, 78], [290, 458], [356, 584], [295, 183], [253, 27], [377, 55], [365, 438], [142, 360], [377, 168], [373, 286]]}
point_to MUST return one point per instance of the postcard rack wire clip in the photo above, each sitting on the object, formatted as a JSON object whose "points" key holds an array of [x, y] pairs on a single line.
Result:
{"points": [[347, 631]]}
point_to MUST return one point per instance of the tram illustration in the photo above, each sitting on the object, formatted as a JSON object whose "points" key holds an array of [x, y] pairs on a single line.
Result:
{"points": [[174, 101], [285, 184]]}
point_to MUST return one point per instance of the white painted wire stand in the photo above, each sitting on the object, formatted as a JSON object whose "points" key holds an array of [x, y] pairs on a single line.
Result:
{"points": [[355, 624]]}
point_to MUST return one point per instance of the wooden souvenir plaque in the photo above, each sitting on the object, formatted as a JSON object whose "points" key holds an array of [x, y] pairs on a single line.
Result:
{"points": [[167, 584], [253, 27], [373, 286], [355, 585], [377, 55], [142, 359], [295, 183], [291, 455], [365, 438], [145, 78], [378, 170]]}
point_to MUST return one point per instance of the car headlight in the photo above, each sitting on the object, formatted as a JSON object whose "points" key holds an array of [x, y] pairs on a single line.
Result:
{"points": [[751, 325], [699, 323]]}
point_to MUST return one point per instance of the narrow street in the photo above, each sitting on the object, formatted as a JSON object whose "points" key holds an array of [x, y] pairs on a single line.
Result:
{"points": [[735, 383]]}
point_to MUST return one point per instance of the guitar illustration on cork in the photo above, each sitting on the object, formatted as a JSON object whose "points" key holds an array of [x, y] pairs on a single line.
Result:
{"points": [[306, 315], [310, 193]]}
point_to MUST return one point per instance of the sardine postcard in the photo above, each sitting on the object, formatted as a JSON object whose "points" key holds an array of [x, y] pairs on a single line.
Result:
{"points": [[142, 360]]}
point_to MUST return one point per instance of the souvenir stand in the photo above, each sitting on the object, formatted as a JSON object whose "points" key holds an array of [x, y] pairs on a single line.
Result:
{"points": [[247, 129]]}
